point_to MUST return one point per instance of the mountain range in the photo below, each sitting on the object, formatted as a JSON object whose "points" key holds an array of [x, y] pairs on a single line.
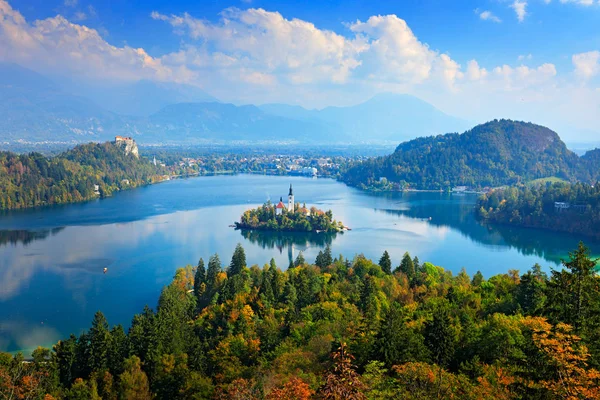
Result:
{"points": [[500, 152], [35, 108]]}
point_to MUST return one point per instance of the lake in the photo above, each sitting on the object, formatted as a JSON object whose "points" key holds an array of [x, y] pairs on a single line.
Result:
{"points": [[52, 259]]}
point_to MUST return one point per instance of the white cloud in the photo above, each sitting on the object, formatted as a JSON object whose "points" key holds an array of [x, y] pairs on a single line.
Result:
{"points": [[580, 2], [266, 42], [70, 3], [587, 65], [522, 77], [59, 45], [520, 8], [524, 57], [474, 72], [488, 16]]}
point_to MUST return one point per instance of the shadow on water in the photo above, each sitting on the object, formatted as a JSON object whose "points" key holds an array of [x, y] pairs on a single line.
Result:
{"points": [[25, 236], [551, 246]]}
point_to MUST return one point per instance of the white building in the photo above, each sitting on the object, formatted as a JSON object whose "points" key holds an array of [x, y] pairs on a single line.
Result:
{"points": [[291, 200], [279, 207]]}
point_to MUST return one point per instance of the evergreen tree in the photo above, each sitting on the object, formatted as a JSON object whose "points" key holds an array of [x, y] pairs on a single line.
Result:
{"points": [[531, 291], [299, 260], [574, 292], [199, 279], [118, 350], [396, 343], [99, 343], [439, 336], [407, 267], [417, 265], [327, 257], [477, 279], [238, 261], [386, 263], [319, 260]]}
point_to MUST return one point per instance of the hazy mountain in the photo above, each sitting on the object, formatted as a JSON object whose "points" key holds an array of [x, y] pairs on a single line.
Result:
{"points": [[492, 154], [144, 98], [220, 121], [385, 117], [34, 108]]}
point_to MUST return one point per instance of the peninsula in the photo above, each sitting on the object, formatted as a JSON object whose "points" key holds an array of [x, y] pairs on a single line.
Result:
{"points": [[290, 218]]}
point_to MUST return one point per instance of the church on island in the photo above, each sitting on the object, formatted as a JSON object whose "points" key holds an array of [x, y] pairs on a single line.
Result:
{"points": [[290, 205], [289, 218]]}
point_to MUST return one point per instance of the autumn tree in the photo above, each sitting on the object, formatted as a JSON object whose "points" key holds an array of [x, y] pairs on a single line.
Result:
{"points": [[342, 382]]}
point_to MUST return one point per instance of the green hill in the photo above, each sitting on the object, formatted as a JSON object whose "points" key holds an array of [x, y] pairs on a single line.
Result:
{"points": [[500, 152], [30, 180]]}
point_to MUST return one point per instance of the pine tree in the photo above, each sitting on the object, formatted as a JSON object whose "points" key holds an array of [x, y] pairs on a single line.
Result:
{"points": [[299, 260], [327, 257], [386, 263], [199, 279], [99, 342], [407, 267], [238, 261]]}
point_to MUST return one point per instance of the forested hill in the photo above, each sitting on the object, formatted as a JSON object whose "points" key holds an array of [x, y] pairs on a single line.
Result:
{"points": [[339, 329], [30, 180], [500, 152], [534, 206]]}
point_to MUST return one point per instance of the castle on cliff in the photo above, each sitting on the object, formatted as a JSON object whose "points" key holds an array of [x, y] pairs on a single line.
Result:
{"points": [[129, 145]]}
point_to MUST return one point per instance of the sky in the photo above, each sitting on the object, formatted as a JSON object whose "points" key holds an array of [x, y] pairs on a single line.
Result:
{"points": [[533, 60]]}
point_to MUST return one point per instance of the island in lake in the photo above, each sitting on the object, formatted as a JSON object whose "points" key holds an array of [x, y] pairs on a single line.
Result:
{"points": [[290, 218]]}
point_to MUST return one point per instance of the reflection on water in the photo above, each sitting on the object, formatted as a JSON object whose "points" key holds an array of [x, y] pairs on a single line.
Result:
{"points": [[550, 246], [25, 236], [291, 241], [52, 260]]}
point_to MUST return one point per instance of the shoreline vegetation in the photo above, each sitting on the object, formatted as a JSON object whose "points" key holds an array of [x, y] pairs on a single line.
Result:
{"points": [[268, 218], [336, 328], [560, 207], [86, 172]]}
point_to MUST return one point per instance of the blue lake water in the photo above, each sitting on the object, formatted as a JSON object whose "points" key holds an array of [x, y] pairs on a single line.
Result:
{"points": [[52, 259]]}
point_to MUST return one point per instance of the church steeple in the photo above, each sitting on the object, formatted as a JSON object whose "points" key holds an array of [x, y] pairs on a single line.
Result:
{"points": [[291, 200]]}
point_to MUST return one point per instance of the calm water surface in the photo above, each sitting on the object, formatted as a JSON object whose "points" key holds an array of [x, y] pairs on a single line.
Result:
{"points": [[52, 259]]}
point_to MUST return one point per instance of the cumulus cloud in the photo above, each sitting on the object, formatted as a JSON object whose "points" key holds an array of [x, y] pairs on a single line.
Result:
{"points": [[59, 44], [266, 42], [520, 8], [488, 16], [474, 72], [587, 65], [523, 76]]}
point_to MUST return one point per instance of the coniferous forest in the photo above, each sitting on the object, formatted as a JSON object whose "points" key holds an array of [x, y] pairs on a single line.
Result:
{"points": [[30, 180], [337, 329]]}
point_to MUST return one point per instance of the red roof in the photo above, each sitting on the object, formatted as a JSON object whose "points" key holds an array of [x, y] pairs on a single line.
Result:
{"points": [[280, 205]]}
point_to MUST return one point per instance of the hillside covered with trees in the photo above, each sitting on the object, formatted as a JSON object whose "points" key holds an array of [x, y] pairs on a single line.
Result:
{"points": [[30, 180], [340, 329], [500, 152], [534, 206]]}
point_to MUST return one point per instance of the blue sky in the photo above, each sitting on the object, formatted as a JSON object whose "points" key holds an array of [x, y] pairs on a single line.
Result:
{"points": [[536, 60]]}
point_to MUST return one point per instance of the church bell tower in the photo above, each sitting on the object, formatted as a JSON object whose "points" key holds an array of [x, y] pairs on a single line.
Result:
{"points": [[291, 200]]}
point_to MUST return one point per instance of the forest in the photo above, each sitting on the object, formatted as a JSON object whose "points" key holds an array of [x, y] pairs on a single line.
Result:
{"points": [[497, 153], [31, 180], [336, 329], [534, 206], [300, 220]]}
